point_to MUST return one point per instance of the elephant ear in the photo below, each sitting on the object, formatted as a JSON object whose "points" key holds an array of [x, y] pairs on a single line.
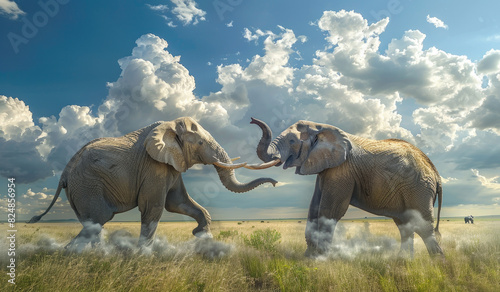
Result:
{"points": [[329, 148], [164, 145]]}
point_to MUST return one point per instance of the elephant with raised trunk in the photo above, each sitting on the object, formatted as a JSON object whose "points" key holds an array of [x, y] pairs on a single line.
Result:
{"points": [[389, 178], [143, 168]]}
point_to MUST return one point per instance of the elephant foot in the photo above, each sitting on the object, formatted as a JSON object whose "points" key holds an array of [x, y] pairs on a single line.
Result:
{"points": [[202, 232], [310, 253], [313, 252], [405, 254], [145, 242]]}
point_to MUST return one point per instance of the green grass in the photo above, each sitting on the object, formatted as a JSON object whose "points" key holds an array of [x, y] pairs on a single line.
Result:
{"points": [[263, 239], [261, 258]]}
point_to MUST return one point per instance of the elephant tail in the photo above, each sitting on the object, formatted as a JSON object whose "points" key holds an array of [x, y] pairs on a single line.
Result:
{"points": [[440, 201], [37, 218]]}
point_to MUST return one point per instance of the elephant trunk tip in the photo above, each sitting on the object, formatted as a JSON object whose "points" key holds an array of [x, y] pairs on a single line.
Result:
{"points": [[255, 183], [35, 219]]}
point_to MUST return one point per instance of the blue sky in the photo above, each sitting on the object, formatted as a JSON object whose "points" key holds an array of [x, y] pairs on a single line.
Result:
{"points": [[436, 85]]}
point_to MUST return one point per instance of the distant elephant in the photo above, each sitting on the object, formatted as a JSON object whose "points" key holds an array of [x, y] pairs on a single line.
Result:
{"points": [[390, 178], [143, 168], [469, 219]]}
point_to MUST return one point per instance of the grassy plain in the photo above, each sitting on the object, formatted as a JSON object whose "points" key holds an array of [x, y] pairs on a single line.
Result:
{"points": [[241, 258]]}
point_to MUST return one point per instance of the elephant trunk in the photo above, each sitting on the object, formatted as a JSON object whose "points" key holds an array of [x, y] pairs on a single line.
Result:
{"points": [[228, 178], [266, 147]]}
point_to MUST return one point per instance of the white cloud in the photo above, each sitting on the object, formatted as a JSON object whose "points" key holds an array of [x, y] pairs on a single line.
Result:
{"points": [[19, 139], [490, 183], [249, 36], [16, 120], [447, 83], [487, 116], [154, 86], [185, 11], [490, 63], [158, 7], [438, 23], [271, 68], [188, 12], [10, 9]]}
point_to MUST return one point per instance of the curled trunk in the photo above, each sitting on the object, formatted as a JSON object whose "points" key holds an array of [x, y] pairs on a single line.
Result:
{"points": [[264, 152]]}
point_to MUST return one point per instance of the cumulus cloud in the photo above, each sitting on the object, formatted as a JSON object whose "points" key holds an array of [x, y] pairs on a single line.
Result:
{"points": [[16, 120], [10, 9], [154, 86], [19, 139], [487, 115], [438, 23], [490, 63], [446, 85]]}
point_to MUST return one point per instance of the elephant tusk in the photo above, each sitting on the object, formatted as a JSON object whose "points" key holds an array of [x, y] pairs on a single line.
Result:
{"points": [[263, 165], [236, 158], [229, 166]]}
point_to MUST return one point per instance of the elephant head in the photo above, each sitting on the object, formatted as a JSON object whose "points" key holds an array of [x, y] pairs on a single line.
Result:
{"points": [[310, 147], [183, 142]]}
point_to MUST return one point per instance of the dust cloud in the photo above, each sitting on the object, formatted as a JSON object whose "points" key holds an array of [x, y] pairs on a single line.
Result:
{"points": [[352, 240], [122, 242]]}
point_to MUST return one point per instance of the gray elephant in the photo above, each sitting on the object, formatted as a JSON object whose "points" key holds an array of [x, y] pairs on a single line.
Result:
{"points": [[143, 168], [390, 178], [469, 219]]}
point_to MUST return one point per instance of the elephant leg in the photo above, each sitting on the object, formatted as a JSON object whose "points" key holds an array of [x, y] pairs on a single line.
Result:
{"points": [[92, 216], [407, 236], [150, 203], [426, 232], [90, 233], [312, 239], [148, 229], [179, 201], [336, 188]]}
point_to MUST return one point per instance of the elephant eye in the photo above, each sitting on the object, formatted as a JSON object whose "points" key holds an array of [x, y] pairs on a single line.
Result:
{"points": [[292, 141], [201, 142]]}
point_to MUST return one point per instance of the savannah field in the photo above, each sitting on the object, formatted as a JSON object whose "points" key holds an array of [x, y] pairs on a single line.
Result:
{"points": [[253, 256]]}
